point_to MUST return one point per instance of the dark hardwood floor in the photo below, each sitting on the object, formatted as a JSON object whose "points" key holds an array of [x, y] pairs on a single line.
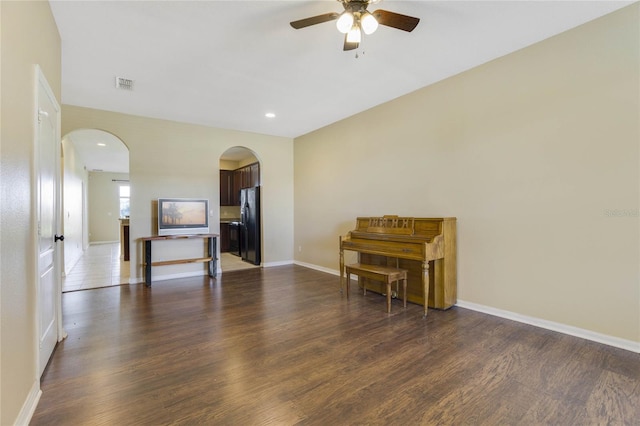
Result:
{"points": [[282, 346]]}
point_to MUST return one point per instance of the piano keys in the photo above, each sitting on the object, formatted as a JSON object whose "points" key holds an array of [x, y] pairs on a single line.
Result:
{"points": [[426, 247]]}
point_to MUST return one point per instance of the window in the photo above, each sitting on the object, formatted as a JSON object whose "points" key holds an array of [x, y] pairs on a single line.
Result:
{"points": [[124, 201]]}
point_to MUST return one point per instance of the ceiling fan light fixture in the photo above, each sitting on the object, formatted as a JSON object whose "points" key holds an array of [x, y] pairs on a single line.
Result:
{"points": [[345, 22], [354, 35], [368, 23]]}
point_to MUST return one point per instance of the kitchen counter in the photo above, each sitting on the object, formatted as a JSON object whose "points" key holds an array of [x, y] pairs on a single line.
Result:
{"points": [[229, 219]]}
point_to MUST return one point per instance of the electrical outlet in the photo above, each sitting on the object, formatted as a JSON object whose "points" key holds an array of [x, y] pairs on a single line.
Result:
{"points": [[299, 249]]}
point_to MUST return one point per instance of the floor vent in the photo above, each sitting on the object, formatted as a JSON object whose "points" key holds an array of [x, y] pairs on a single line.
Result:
{"points": [[124, 83]]}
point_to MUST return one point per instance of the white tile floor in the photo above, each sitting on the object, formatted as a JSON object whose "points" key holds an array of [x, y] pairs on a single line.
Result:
{"points": [[229, 262], [102, 266]]}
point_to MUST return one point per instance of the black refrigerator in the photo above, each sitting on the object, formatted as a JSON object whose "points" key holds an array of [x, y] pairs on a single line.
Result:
{"points": [[250, 225]]}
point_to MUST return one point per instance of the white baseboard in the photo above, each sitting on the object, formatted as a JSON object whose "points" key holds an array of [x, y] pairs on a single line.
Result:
{"points": [[617, 342], [628, 345], [30, 404], [157, 277], [280, 263], [97, 243], [317, 268], [323, 269]]}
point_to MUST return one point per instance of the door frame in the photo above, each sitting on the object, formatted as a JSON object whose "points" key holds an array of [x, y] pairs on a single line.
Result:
{"points": [[40, 80]]}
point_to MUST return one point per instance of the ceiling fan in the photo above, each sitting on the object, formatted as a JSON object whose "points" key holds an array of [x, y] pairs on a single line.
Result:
{"points": [[357, 18]]}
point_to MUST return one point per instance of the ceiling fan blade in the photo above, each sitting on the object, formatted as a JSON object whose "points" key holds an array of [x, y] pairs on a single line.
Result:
{"points": [[396, 20], [314, 20], [348, 45]]}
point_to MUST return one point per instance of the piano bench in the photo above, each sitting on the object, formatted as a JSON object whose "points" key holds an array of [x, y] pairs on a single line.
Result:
{"points": [[385, 274]]}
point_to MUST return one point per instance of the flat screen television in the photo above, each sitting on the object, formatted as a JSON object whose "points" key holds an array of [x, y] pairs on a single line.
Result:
{"points": [[183, 216]]}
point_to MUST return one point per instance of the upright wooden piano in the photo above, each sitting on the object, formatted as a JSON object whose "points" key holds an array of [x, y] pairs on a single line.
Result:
{"points": [[426, 247]]}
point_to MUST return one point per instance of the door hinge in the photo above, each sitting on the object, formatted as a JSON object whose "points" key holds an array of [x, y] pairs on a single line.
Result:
{"points": [[42, 113]]}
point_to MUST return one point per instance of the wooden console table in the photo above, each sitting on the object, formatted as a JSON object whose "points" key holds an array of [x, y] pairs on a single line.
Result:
{"points": [[212, 240]]}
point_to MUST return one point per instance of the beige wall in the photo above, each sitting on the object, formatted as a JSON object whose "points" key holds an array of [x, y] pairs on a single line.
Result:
{"points": [[536, 154], [75, 183], [104, 206], [170, 159], [228, 165], [29, 36]]}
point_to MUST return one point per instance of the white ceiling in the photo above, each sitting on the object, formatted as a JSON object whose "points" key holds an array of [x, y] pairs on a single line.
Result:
{"points": [[226, 63], [100, 151]]}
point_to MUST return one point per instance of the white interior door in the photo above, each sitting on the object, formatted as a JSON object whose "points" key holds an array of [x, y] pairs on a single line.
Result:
{"points": [[47, 148]]}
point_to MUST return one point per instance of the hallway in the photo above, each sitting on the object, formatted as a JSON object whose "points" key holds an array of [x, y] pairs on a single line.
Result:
{"points": [[99, 266]]}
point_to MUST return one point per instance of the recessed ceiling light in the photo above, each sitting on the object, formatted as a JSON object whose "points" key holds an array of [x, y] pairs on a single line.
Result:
{"points": [[270, 115], [102, 144]]}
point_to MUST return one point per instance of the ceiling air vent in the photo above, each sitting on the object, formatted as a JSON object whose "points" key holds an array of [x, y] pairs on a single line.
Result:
{"points": [[124, 83]]}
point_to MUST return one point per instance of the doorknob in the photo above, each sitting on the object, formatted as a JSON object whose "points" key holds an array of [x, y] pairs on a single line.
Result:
{"points": [[57, 238]]}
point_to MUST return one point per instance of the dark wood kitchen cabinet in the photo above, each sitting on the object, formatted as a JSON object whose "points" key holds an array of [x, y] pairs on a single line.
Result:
{"points": [[226, 188], [254, 171], [249, 175], [224, 238], [237, 186], [232, 181]]}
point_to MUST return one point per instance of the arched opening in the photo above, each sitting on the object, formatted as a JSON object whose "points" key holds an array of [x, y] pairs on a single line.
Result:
{"points": [[240, 211], [95, 196]]}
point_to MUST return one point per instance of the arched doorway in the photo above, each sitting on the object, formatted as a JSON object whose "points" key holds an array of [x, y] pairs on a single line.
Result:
{"points": [[240, 212], [95, 193]]}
